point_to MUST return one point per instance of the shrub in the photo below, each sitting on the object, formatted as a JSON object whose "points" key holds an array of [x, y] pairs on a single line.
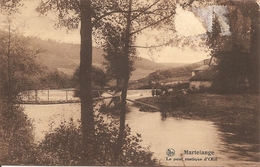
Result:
{"points": [[173, 100], [62, 146], [112, 108], [55, 80], [108, 109], [16, 136]]}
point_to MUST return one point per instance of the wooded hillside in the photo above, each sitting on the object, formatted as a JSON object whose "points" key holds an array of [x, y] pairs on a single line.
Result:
{"points": [[65, 57]]}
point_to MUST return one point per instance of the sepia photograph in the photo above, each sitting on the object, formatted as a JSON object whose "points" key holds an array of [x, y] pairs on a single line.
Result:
{"points": [[130, 83]]}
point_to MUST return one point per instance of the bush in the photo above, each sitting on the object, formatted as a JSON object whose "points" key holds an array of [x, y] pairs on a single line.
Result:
{"points": [[113, 107], [55, 80], [16, 131], [173, 100], [62, 146], [99, 78], [107, 109]]}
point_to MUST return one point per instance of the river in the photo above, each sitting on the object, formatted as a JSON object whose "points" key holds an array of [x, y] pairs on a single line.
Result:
{"points": [[183, 136]]}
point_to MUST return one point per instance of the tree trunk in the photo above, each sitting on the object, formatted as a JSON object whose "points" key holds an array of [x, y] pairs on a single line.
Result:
{"points": [[9, 71], [118, 83], [87, 116], [255, 49], [118, 150]]}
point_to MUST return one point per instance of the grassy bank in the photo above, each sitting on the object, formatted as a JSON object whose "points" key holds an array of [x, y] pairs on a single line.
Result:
{"points": [[233, 109]]}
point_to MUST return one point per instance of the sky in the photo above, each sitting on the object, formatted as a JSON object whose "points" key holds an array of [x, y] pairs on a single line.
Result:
{"points": [[187, 24]]}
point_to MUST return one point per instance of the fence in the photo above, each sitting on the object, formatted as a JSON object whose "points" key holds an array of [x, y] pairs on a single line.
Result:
{"points": [[48, 95]]}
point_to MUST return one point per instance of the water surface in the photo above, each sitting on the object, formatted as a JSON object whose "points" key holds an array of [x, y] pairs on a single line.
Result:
{"points": [[161, 134]]}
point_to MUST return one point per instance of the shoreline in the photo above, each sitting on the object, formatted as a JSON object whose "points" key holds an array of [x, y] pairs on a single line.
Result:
{"points": [[208, 106], [236, 116]]}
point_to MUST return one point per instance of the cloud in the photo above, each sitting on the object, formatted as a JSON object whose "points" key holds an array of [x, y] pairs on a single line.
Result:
{"points": [[187, 24]]}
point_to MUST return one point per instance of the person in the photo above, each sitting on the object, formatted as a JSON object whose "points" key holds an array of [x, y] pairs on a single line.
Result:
{"points": [[153, 92]]}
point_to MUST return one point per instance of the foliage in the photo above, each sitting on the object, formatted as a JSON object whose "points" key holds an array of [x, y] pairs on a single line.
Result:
{"points": [[114, 53], [113, 107], [233, 72], [62, 146], [55, 80], [237, 54], [109, 11], [16, 135], [8, 7], [173, 100], [99, 78], [18, 68]]}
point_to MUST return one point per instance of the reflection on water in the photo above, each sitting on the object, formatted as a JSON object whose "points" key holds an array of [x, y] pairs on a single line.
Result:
{"points": [[241, 140], [163, 133], [232, 145], [174, 133], [163, 115], [46, 116]]}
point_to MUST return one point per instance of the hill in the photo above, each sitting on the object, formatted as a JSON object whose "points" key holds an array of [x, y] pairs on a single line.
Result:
{"points": [[173, 74], [182, 73], [65, 57]]}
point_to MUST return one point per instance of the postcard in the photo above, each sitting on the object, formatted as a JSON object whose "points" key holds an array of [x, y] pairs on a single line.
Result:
{"points": [[129, 83]]}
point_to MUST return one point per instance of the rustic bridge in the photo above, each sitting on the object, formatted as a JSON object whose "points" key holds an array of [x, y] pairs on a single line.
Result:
{"points": [[53, 96], [62, 101], [36, 101]]}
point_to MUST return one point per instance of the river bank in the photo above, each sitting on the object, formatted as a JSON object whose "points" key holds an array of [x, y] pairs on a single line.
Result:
{"points": [[237, 115], [234, 109]]}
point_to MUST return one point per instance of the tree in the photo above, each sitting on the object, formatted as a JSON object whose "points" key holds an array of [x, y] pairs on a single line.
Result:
{"points": [[54, 80], [71, 13], [99, 78], [113, 47], [125, 83], [237, 54], [87, 117], [8, 7], [250, 10], [18, 66]]}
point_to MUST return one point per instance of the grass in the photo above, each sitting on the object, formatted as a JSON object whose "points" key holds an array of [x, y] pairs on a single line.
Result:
{"points": [[233, 108]]}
